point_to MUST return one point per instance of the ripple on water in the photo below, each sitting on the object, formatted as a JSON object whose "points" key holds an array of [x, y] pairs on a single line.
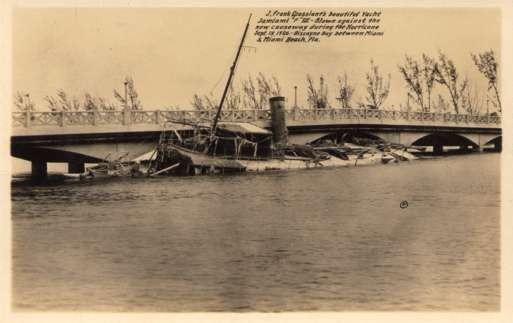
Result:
{"points": [[324, 239]]}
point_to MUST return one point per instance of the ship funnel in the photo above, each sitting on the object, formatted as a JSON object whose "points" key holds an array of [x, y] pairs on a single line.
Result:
{"points": [[278, 122]]}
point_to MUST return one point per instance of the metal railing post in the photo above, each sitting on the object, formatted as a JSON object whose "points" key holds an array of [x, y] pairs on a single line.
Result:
{"points": [[61, 120], [126, 117], [27, 118], [157, 116], [95, 117]]}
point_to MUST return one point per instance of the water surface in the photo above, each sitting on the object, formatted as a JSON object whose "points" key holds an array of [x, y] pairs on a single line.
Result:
{"points": [[323, 239]]}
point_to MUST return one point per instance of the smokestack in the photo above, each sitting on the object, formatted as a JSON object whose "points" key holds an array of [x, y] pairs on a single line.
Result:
{"points": [[278, 123]]}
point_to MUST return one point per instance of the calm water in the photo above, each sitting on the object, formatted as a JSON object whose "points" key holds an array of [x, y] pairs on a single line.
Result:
{"points": [[328, 239]]}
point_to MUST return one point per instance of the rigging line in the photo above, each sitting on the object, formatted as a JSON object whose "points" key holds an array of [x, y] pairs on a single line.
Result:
{"points": [[220, 77], [244, 48]]}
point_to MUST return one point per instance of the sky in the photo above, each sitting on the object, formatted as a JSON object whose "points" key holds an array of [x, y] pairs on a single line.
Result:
{"points": [[174, 53]]}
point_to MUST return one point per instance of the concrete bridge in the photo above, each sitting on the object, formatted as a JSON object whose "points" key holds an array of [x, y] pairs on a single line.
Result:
{"points": [[80, 137]]}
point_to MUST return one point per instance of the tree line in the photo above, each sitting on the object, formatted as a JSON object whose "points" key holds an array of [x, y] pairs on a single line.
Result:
{"points": [[254, 94], [421, 77], [432, 84], [63, 102]]}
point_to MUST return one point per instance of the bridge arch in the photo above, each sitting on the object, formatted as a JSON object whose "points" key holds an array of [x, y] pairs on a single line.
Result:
{"points": [[404, 138], [493, 140], [496, 142], [87, 153], [52, 155], [437, 140], [40, 156], [440, 140], [76, 155], [345, 135]]}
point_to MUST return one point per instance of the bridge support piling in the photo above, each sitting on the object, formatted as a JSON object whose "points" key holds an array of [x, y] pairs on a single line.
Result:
{"points": [[438, 149], [464, 148], [498, 145], [75, 167], [39, 169]]}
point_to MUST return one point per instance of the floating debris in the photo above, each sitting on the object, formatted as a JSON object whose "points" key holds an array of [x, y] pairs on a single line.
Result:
{"points": [[117, 167]]}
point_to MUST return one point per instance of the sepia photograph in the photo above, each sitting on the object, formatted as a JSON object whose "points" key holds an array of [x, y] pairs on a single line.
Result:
{"points": [[266, 159]]}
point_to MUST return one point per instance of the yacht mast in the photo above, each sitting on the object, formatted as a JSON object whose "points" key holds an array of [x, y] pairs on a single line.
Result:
{"points": [[232, 71]]}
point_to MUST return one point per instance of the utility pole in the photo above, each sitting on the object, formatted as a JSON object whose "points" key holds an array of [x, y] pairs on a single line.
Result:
{"points": [[126, 95], [295, 96], [26, 102]]}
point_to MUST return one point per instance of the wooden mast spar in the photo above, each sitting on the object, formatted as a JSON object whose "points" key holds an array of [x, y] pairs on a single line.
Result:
{"points": [[232, 72]]}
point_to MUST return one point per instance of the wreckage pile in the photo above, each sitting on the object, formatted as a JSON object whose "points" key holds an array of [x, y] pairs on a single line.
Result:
{"points": [[243, 147]]}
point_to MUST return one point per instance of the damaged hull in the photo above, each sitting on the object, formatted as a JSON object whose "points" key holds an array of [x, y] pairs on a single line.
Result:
{"points": [[188, 162]]}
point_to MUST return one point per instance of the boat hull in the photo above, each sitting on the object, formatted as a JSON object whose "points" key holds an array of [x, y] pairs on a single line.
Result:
{"points": [[196, 163]]}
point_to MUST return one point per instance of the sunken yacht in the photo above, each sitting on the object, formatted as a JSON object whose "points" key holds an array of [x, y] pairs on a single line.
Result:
{"points": [[232, 147]]}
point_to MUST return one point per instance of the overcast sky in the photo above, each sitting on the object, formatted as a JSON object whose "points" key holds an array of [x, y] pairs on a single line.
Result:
{"points": [[173, 53]]}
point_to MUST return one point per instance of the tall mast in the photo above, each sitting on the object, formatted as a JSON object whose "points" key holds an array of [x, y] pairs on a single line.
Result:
{"points": [[232, 71]]}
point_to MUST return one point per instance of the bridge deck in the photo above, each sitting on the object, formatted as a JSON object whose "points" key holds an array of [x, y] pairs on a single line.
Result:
{"points": [[80, 137], [83, 122]]}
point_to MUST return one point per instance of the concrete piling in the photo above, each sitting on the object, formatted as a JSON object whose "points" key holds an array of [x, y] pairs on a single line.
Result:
{"points": [[438, 149], [498, 145], [76, 167], [39, 169]]}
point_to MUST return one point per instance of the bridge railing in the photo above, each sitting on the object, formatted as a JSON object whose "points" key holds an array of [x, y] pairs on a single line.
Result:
{"points": [[128, 117]]}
